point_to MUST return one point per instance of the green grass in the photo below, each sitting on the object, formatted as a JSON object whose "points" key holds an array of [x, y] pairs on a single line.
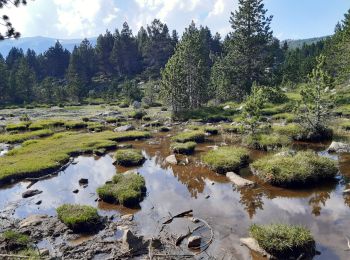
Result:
{"points": [[189, 136], [76, 124], [284, 241], [16, 241], [183, 148], [95, 126], [17, 127], [127, 190], [206, 114], [211, 130], [273, 109], [131, 135], [111, 120], [303, 168], [293, 131], [226, 159], [129, 157], [288, 117], [19, 138], [137, 114], [45, 124], [345, 126], [78, 218], [38, 157], [233, 129], [266, 142]]}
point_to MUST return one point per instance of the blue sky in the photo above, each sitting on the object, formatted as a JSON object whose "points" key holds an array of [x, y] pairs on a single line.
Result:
{"points": [[293, 19]]}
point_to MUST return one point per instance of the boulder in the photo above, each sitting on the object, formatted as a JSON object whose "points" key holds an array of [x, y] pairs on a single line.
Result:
{"points": [[194, 241], [136, 104], [83, 181], [124, 128], [171, 159], [33, 220], [31, 193], [132, 242], [253, 245], [238, 181], [226, 107], [338, 147]]}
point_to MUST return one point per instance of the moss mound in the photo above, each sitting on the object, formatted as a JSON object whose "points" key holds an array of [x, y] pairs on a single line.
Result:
{"points": [[303, 168], [129, 157], [18, 138], [183, 148], [127, 190], [189, 136], [293, 131], [15, 240], [17, 127], [45, 124], [79, 218], [284, 241], [138, 114], [76, 124], [266, 142], [211, 130], [226, 159]]}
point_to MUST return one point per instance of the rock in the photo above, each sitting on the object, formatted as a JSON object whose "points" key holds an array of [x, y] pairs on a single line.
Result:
{"points": [[346, 191], [124, 146], [124, 128], [128, 217], [33, 220], [100, 152], [238, 181], [44, 252], [31, 193], [136, 104], [253, 245], [133, 171], [2, 118], [38, 202], [194, 241], [132, 242], [76, 191], [338, 147], [171, 159], [226, 107], [207, 197], [83, 181], [194, 220]]}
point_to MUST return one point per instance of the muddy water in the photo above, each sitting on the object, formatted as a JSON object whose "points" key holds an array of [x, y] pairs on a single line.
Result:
{"points": [[174, 189]]}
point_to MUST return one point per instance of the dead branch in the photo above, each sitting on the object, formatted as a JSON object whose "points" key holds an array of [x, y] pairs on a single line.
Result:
{"points": [[181, 215]]}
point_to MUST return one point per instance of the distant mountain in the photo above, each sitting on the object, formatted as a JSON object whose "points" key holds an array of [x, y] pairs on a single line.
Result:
{"points": [[293, 44], [39, 44]]}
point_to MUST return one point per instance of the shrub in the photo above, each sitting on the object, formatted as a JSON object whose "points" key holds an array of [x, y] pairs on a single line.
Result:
{"points": [[79, 218], [190, 136], [183, 148], [226, 159], [303, 168], [129, 157], [266, 142], [284, 241], [127, 189], [15, 240]]}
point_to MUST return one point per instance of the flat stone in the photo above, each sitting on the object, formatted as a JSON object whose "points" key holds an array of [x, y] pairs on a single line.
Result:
{"points": [[171, 159], [44, 252], [338, 147], [33, 220], [128, 217], [253, 245], [238, 181], [31, 193], [124, 128], [194, 241]]}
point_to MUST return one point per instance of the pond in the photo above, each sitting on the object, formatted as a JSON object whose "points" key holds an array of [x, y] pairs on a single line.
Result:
{"points": [[174, 189]]}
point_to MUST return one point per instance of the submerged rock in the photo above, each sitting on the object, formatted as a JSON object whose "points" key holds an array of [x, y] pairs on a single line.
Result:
{"points": [[194, 241], [83, 181], [239, 181], [338, 147], [171, 159], [124, 128], [31, 193]]}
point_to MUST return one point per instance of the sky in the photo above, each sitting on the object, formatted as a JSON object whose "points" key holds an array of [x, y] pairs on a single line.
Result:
{"points": [[63, 19]]}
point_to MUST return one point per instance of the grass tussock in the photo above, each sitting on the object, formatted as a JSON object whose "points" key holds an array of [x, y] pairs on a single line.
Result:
{"points": [[288, 117], [211, 130], [17, 127], [78, 218], [38, 157], [266, 142], [284, 241], [15, 240], [46, 124], [288, 170], [293, 131], [129, 157], [21, 137], [76, 124], [226, 159], [127, 189], [197, 136], [183, 148]]}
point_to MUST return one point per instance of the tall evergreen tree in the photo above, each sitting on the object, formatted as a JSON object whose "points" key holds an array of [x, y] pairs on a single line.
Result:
{"points": [[104, 47], [55, 61], [186, 75], [4, 80]]}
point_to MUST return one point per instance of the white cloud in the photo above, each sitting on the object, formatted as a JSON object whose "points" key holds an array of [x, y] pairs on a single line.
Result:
{"points": [[86, 18]]}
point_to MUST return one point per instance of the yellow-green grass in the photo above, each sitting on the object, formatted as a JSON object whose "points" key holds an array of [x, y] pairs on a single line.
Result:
{"points": [[266, 142], [78, 217], [288, 170], [15, 240], [345, 126], [17, 127], [47, 123], [226, 159], [125, 189], [137, 114], [293, 131], [183, 148], [273, 109], [129, 157], [233, 129], [284, 241], [189, 136], [21, 137], [294, 96], [288, 117], [42, 156], [95, 126], [211, 130]]}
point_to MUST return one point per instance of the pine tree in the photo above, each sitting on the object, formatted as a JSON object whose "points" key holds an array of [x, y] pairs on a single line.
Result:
{"points": [[186, 75], [104, 47], [55, 61], [3, 81], [24, 82]]}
